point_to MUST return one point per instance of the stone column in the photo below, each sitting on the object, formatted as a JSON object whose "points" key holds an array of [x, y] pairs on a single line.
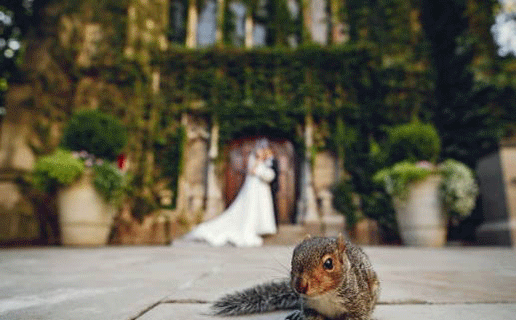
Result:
{"points": [[306, 12], [192, 181], [182, 186], [191, 27], [508, 164], [309, 203], [213, 192], [249, 29]]}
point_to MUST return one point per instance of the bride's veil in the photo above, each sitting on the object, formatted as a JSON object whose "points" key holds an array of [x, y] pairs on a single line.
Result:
{"points": [[260, 144]]}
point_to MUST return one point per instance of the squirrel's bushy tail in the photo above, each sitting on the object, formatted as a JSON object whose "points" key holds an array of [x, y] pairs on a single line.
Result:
{"points": [[262, 298]]}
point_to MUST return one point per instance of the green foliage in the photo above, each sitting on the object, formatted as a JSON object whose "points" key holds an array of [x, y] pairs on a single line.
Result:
{"points": [[377, 205], [279, 23], [343, 202], [16, 18], [472, 109], [386, 74], [55, 170], [62, 168], [95, 132], [267, 90], [413, 141], [110, 182], [397, 178], [169, 159]]}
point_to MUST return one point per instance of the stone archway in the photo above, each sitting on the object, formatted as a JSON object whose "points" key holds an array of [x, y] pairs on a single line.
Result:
{"points": [[237, 153]]}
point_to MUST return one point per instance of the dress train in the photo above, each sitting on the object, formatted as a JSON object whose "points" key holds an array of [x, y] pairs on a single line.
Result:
{"points": [[249, 216]]}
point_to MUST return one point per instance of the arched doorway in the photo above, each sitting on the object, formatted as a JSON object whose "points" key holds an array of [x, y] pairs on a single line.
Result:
{"points": [[237, 153]]}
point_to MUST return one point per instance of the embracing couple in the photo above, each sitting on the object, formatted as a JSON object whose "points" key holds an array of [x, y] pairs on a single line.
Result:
{"points": [[251, 214]]}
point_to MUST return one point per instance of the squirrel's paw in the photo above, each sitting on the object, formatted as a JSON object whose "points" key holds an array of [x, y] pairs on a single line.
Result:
{"points": [[296, 315], [300, 315]]}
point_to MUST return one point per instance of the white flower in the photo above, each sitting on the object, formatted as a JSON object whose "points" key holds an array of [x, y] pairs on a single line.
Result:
{"points": [[88, 163], [459, 189], [504, 28]]}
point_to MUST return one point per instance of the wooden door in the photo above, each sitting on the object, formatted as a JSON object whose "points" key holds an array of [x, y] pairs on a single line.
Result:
{"points": [[237, 153]]}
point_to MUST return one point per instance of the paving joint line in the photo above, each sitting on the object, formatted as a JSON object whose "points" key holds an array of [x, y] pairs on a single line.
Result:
{"points": [[419, 302], [384, 303], [144, 311]]}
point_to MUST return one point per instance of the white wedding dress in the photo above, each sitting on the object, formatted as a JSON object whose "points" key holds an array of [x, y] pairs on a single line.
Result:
{"points": [[250, 215]]}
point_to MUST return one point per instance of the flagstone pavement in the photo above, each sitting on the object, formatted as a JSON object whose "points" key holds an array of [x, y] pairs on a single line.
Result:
{"points": [[180, 281]]}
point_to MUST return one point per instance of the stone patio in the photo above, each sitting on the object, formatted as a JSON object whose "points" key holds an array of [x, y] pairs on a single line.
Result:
{"points": [[178, 282]]}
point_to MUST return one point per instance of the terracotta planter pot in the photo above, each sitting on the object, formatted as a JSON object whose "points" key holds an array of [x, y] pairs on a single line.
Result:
{"points": [[421, 219], [84, 216]]}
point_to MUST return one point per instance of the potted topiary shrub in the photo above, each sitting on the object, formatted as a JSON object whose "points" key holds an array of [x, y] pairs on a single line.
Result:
{"points": [[422, 191], [414, 188], [87, 183]]}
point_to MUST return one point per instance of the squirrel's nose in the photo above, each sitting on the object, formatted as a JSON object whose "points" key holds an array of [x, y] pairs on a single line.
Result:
{"points": [[300, 285]]}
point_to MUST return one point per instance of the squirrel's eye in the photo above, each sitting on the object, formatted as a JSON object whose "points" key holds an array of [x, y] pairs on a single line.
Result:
{"points": [[328, 264]]}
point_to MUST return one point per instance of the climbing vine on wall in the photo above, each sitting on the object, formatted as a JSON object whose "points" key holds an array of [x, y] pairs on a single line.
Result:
{"points": [[106, 54]]}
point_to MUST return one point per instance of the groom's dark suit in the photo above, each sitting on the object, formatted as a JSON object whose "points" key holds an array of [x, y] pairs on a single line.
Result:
{"points": [[274, 188]]}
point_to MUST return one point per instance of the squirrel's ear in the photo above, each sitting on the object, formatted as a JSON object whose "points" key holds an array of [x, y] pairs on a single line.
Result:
{"points": [[341, 243], [308, 236]]}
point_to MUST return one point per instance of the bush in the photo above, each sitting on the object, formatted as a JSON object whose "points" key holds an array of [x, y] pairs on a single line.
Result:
{"points": [[109, 182], [413, 141], [397, 178], [95, 132], [57, 169], [378, 206]]}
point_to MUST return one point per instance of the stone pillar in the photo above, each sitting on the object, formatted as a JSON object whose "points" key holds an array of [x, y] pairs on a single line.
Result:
{"points": [[324, 177], [310, 216], [249, 29], [306, 12], [508, 164], [191, 27], [214, 204], [18, 220], [497, 176], [192, 181], [181, 184]]}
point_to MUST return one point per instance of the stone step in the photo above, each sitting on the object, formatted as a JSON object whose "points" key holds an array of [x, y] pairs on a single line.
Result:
{"points": [[287, 235]]}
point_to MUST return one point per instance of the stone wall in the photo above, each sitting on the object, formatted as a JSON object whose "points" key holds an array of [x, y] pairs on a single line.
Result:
{"points": [[17, 216]]}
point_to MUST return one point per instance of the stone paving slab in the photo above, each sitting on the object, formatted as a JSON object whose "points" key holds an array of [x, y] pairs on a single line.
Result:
{"points": [[382, 312], [122, 283]]}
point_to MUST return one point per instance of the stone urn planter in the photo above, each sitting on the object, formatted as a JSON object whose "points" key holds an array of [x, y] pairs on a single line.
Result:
{"points": [[85, 217], [421, 218]]}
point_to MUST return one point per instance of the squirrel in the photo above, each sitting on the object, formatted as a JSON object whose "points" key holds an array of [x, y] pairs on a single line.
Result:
{"points": [[330, 279]]}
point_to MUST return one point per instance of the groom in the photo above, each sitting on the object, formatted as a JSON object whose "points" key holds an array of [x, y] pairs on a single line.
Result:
{"points": [[274, 183]]}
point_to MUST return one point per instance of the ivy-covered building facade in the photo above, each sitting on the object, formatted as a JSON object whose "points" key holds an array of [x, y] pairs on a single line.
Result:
{"points": [[196, 82]]}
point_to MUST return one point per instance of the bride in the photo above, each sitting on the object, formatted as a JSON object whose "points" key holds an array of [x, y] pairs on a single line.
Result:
{"points": [[251, 214]]}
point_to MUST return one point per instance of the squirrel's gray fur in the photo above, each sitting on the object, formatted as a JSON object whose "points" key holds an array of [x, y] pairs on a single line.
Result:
{"points": [[261, 298], [353, 298]]}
